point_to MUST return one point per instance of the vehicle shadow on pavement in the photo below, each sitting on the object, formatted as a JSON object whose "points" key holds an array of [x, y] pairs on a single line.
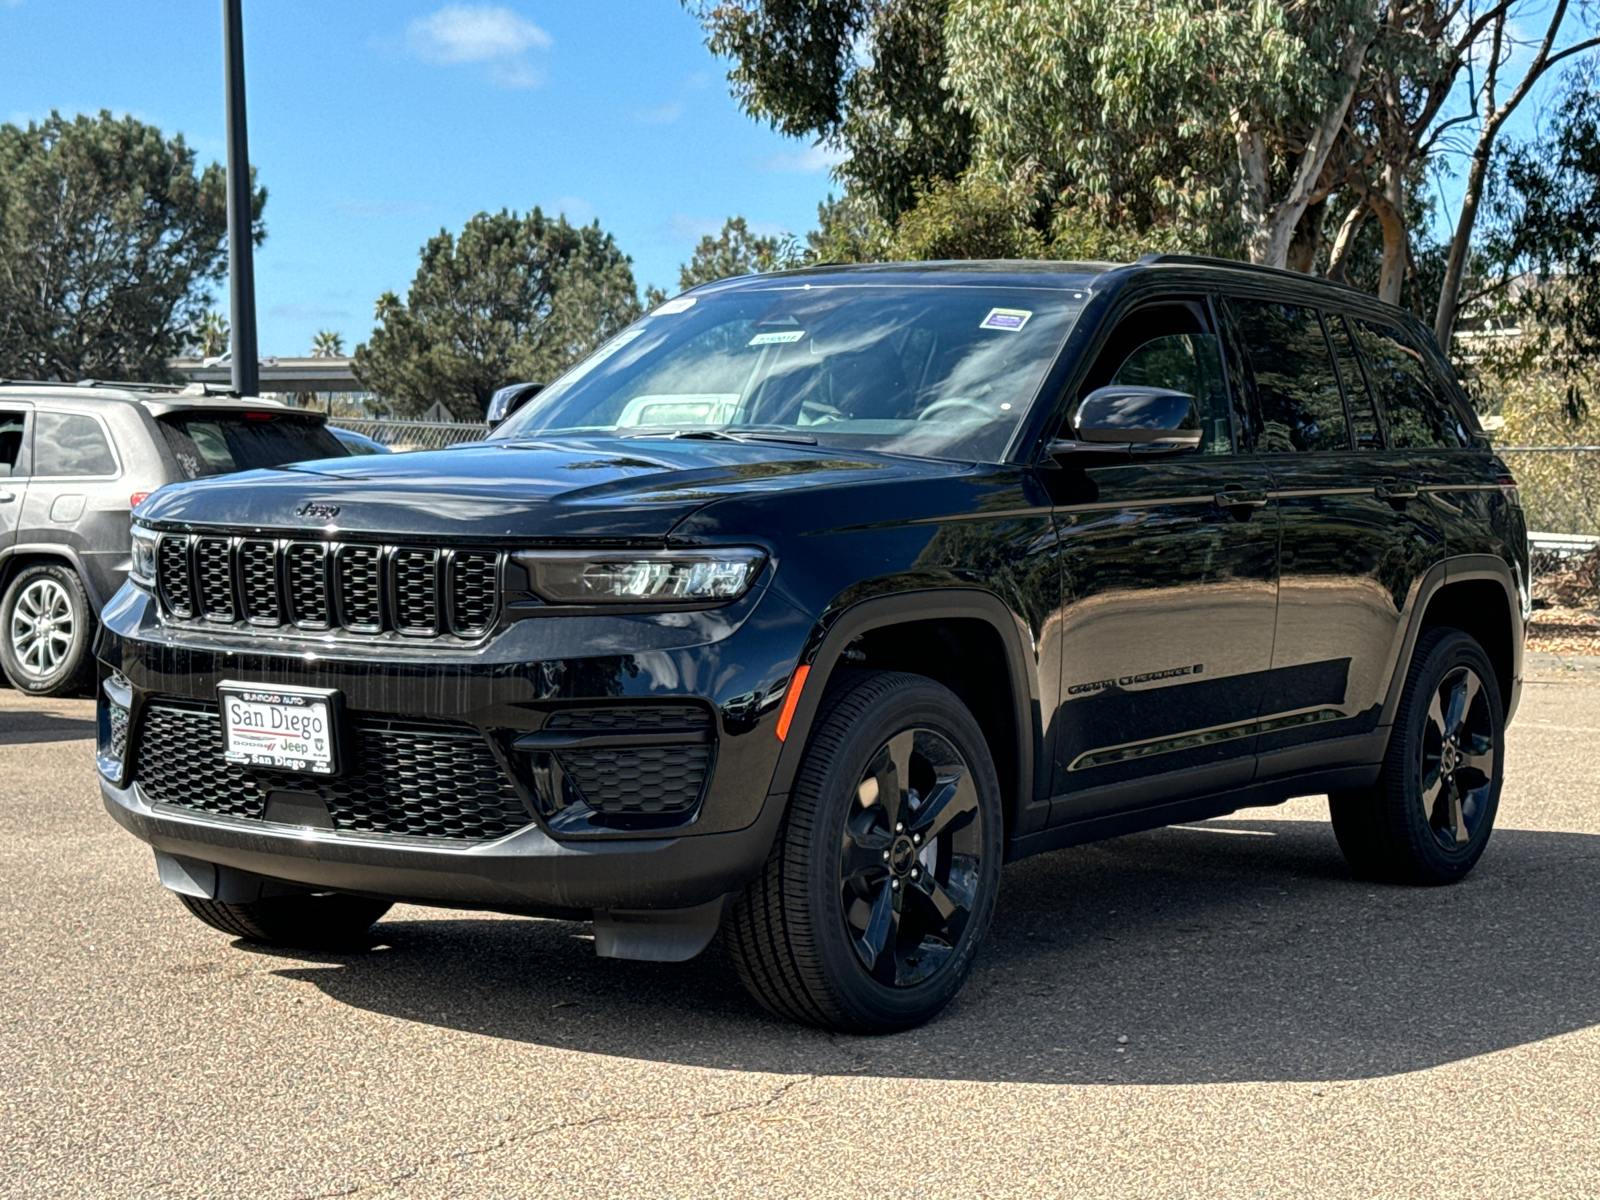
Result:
{"points": [[1243, 955], [21, 727]]}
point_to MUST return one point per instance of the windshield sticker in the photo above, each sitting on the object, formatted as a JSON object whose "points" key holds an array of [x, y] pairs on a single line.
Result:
{"points": [[781, 338], [681, 304], [1009, 319]]}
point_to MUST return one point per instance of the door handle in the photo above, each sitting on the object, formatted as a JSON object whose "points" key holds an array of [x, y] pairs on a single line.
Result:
{"points": [[1235, 498], [1397, 493]]}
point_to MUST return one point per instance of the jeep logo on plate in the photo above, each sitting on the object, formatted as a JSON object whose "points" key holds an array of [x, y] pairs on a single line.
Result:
{"points": [[316, 511]]}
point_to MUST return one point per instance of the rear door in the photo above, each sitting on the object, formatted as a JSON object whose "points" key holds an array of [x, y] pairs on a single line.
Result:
{"points": [[1351, 540], [1169, 596], [13, 469]]}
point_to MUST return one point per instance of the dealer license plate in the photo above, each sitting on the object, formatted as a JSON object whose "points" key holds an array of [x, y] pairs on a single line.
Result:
{"points": [[293, 729]]}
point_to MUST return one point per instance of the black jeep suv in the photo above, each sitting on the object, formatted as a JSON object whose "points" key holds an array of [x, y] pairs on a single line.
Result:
{"points": [[810, 599]]}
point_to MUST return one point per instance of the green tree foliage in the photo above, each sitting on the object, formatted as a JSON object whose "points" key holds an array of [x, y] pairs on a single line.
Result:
{"points": [[513, 297], [327, 343], [865, 76], [1542, 255], [737, 251], [109, 241]]}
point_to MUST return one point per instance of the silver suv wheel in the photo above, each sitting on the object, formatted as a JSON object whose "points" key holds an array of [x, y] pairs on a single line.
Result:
{"points": [[42, 628]]}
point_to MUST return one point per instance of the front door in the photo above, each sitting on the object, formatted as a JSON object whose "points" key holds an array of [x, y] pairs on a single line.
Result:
{"points": [[1169, 592]]}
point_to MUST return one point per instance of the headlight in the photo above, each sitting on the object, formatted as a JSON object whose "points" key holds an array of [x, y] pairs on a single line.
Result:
{"points": [[642, 577], [143, 556]]}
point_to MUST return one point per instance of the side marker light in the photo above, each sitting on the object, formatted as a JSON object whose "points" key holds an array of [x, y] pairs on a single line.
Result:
{"points": [[792, 700]]}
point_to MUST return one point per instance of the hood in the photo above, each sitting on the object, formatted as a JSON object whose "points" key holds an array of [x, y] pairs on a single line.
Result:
{"points": [[549, 488]]}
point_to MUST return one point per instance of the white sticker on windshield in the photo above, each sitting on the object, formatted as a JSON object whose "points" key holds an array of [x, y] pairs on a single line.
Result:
{"points": [[781, 338], [1009, 319], [681, 304]]}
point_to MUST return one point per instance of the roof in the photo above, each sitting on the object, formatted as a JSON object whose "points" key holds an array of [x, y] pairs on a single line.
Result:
{"points": [[158, 397]]}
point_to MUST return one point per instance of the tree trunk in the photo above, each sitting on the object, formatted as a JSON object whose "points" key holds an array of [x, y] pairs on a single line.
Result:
{"points": [[1389, 207], [1308, 238], [1345, 240], [1444, 319]]}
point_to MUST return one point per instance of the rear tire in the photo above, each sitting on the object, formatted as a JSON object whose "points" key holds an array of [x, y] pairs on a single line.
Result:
{"points": [[1428, 817], [882, 880], [47, 631], [325, 921]]}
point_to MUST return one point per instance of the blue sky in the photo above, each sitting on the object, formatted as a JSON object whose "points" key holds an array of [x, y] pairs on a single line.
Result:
{"points": [[374, 125]]}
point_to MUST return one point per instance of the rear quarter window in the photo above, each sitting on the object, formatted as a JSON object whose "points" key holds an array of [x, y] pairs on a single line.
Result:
{"points": [[70, 444], [1418, 413], [219, 444]]}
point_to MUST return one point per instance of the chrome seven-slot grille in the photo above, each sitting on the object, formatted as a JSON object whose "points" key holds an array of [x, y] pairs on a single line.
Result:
{"points": [[272, 583]]}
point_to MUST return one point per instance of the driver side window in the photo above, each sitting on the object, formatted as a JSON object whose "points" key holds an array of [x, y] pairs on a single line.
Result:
{"points": [[1170, 345]]}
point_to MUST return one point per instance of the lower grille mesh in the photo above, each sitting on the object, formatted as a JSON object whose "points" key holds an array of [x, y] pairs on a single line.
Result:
{"points": [[433, 780], [651, 780]]}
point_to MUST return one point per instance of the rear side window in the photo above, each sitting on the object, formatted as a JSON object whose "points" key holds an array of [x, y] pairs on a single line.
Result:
{"points": [[1357, 399], [68, 444], [12, 426], [218, 444], [1297, 406], [1419, 415]]}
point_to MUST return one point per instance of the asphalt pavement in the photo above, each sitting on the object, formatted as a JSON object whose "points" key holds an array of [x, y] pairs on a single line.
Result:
{"points": [[1215, 1010]]}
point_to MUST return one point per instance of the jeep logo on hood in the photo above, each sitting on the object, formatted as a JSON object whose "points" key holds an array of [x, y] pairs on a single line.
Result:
{"points": [[317, 511]]}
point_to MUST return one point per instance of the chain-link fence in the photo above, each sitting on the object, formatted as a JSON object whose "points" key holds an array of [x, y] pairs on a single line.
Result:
{"points": [[413, 435]]}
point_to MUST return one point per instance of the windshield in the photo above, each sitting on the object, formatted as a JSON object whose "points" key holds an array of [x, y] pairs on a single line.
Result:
{"points": [[944, 371], [220, 443]]}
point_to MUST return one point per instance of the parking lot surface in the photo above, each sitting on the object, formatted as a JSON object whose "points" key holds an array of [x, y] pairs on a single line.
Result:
{"points": [[1199, 1011]]}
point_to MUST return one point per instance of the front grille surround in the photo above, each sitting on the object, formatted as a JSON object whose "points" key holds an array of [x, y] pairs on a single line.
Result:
{"points": [[362, 588]]}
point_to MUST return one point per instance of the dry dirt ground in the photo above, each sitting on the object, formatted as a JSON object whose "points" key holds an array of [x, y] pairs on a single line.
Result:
{"points": [[1289, 1030]]}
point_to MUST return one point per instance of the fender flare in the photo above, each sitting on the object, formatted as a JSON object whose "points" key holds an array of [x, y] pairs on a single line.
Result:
{"points": [[1460, 569], [824, 653], [60, 551]]}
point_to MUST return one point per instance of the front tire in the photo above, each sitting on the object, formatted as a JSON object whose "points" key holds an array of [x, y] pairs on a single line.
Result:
{"points": [[882, 881], [46, 629], [322, 921], [1428, 818]]}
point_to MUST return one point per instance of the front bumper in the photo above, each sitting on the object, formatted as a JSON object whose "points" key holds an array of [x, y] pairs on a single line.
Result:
{"points": [[735, 662], [527, 871]]}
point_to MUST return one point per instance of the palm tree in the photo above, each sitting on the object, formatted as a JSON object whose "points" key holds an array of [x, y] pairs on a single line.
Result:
{"points": [[210, 334], [327, 344]]}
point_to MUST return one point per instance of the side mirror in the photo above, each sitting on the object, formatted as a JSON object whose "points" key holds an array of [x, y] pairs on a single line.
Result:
{"points": [[508, 399], [1133, 422]]}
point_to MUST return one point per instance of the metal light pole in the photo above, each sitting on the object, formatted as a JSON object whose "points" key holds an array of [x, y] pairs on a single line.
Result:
{"points": [[241, 250]]}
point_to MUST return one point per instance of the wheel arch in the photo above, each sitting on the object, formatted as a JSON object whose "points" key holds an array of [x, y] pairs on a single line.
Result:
{"points": [[20, 558], [1479, 595], [967, 631]]}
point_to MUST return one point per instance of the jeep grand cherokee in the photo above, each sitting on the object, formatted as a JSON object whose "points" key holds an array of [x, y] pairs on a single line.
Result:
{"points": [[811, 598]]}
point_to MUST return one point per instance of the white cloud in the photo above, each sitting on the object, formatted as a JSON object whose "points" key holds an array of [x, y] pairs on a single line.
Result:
{"points": [[661, 114], [366, 210], [799, 162], [497, 38]]}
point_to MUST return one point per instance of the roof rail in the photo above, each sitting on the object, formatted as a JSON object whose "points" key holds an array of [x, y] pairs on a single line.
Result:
{"points": [[176, 389], [1234, 264]]}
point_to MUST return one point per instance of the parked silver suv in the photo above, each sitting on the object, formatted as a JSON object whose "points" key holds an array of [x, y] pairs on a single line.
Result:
{"points": [[75, 460]]}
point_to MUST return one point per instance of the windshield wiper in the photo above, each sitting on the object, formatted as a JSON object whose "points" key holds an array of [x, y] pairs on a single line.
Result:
{"points": [[722, 435]]}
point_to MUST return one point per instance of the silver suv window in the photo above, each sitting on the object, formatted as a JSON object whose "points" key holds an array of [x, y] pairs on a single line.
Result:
{"points": [[70, 444]]}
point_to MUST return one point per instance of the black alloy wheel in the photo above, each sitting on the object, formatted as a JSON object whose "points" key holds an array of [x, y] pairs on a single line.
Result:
{"points": [[881, 883], [909, 858], [1458, 758], [1429, 816]]}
